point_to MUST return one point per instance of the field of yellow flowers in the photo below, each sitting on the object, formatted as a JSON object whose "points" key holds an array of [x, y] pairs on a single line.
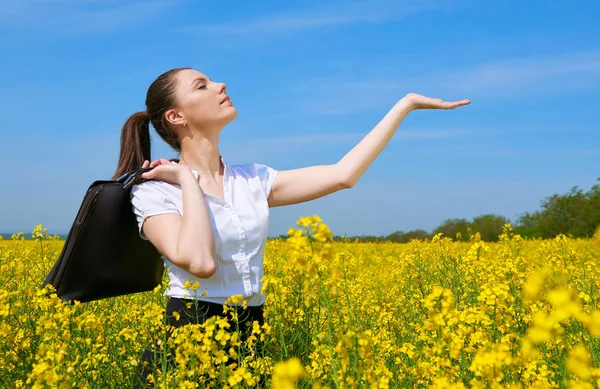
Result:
{"points": [[434, 313]]}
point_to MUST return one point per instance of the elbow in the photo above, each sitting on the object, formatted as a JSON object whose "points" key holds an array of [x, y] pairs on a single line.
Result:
{"points": [[346, 183], [204, 267], [345, 179]]}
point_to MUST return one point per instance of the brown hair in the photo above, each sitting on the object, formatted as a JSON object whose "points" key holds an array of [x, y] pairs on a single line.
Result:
{"points": [[135, 134]]}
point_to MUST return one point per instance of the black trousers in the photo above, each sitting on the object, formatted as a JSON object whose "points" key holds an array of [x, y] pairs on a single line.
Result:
{"points": [[198, 313]]}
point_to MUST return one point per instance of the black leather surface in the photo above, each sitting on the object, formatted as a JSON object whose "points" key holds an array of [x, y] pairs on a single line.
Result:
{"points": [[103, 255]]}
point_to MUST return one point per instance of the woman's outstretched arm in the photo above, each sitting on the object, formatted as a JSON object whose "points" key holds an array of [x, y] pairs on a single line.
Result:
{"points": [[309, 183]]}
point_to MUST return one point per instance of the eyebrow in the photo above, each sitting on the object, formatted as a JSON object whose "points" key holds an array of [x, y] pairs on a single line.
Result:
{"points": [[198, 79]]}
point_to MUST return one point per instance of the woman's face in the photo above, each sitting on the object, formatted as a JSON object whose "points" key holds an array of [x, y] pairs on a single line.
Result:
{"points": [[201, 102]]}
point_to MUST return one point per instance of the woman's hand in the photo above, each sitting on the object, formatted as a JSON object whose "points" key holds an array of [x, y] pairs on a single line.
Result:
{"points": [[416, 101], [164, 170]]}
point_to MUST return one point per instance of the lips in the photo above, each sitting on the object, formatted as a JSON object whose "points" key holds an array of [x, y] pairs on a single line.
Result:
{"points": [[226, 99]]}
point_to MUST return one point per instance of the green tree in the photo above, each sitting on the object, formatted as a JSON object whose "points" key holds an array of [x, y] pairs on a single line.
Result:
{"points": [[528, 225], [405, 237], [576, 213], [457, 229], [489, 226]]}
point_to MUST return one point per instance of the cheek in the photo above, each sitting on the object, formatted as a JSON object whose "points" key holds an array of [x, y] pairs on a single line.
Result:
{"points": [[203, 110]]}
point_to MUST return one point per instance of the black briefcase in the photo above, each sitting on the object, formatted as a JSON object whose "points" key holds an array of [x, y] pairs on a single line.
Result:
{"points": [[103, 255]]}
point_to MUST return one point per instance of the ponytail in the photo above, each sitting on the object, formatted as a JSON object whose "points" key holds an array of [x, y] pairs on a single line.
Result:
{"points": [[135, 135], [135, 143]]}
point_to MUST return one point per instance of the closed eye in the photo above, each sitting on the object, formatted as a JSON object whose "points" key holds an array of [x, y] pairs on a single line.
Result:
{"points": [[202, 87]]}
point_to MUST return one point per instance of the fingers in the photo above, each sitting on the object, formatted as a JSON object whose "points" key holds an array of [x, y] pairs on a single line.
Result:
{"points": [[455, 104], [159, 161], [417, 101], [146, 163], [149, 174]]}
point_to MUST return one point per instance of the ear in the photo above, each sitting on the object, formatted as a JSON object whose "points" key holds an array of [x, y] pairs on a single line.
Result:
{"points": [[174, 117]]}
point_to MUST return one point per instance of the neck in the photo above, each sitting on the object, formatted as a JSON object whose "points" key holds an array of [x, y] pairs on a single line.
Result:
{"points": [[201, 153]]}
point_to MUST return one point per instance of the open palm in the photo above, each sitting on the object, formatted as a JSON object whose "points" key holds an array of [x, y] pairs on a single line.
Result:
{"points": [[423, 102]]}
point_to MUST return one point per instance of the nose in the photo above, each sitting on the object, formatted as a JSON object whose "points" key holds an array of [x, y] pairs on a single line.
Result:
{"points": [[222, 87]]}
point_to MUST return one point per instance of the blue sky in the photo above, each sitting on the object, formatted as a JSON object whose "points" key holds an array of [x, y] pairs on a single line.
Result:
{"points": [[309, 80]]}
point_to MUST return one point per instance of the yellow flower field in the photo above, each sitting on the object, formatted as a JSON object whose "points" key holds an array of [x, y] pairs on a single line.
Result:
{"points": [[338, 315]]}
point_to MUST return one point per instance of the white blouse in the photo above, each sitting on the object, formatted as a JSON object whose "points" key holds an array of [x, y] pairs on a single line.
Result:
{"points": [[240, 226]]}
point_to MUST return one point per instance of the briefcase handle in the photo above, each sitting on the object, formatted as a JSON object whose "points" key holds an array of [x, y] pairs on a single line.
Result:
{"points": [[128, 178]]}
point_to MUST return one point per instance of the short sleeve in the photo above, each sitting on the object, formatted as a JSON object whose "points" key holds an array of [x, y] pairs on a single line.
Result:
{"points": [[266, 175], [148, 200]]}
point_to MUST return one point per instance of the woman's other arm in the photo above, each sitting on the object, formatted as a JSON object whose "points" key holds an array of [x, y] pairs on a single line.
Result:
{"points": [[309, 183]]}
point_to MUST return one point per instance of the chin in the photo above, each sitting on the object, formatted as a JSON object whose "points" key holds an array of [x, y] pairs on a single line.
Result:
{"points": [[231, 115]]}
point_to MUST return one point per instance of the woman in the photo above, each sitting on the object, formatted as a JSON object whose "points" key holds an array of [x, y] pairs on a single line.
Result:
{"points": [[210, 219]]}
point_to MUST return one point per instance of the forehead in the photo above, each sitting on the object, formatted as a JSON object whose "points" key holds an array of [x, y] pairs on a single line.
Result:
{"points": [[188, 76]]}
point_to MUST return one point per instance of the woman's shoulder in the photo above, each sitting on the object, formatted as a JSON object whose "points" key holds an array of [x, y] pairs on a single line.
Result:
{"points": [[245, 169], [257, 175], [154, 188], [251, 169]]}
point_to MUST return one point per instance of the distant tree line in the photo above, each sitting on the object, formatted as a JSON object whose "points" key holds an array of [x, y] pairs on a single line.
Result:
{"points": [[489, 226], [575, 214]]}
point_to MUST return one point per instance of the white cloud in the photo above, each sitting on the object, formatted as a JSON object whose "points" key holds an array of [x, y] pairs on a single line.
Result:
{"points": [[269, 147], [569, 71], [509, 78], [71, 17], [345, 13]]}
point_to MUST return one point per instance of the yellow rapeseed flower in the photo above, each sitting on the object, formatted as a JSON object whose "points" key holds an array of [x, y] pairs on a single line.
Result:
{"points": [[287, 373]]}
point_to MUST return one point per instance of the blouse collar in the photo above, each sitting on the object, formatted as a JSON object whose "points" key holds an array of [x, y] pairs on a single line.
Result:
{"points": [[195, 172]]}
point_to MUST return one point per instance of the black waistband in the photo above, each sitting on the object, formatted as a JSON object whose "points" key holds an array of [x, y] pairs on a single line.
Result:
{"points": [[212, 304], [207, 309]]}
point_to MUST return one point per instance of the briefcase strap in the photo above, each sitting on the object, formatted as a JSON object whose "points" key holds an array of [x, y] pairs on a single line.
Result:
{"points": [[129, 178]]}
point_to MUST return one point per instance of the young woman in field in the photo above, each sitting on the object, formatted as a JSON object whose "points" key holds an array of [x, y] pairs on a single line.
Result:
{"points": [[210, 219]]}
